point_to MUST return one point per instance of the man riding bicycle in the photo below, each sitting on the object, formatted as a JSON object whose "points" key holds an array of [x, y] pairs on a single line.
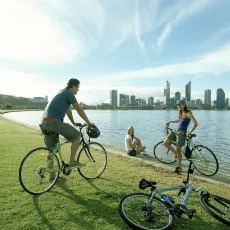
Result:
{"points": [[53, 116]]}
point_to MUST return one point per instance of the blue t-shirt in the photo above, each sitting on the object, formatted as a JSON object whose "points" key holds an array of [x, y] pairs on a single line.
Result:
{"points": [[59, 105]]}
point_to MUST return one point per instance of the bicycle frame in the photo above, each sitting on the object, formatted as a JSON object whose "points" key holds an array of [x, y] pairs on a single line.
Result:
{"points": [[57, 149], [188, 189]]}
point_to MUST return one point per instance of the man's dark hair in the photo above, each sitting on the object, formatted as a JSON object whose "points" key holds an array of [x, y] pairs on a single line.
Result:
{"points": [[72, 82]]}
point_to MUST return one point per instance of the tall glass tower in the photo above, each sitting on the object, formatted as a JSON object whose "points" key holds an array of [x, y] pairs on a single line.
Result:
{"points": [[167, 94], [207, 98], [188, 92], [113, 98], [220, 99]]}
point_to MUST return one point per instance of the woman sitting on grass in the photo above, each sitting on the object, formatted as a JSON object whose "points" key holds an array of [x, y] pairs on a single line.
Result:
{"points": [[133, 144]]}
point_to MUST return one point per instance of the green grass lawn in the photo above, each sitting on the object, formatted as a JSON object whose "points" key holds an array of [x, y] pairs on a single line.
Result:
{"points": [[76, 203]]}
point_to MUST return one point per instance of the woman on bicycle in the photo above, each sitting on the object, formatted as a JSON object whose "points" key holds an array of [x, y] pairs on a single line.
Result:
{"points": [[133, 144], [180, 134]]}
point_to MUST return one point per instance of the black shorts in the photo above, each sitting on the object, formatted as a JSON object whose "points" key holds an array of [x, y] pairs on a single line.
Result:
{"points": [[133, 152]]}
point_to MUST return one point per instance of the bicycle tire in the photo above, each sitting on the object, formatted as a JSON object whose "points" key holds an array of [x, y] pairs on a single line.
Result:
{"points": [[163, 154], [144, 215], [39, 175], [94, 156], [206, 163], [207, 201]]}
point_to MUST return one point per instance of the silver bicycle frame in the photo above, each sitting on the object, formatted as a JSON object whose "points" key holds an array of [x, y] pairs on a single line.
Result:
{"points": [[189, 189]]}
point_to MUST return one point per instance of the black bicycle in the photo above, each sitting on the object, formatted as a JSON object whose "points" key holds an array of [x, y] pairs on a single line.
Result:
{"points": [[40, 163], [201, 156]]}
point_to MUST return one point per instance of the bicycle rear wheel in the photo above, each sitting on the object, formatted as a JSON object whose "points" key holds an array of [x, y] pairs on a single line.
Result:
{"points": [[136, 213], [38, 173], [94, 156], [204, 160], [163, 154], [216, 206]]}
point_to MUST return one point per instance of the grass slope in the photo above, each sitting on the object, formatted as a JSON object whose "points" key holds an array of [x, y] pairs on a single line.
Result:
{"points": [[77, 203]]}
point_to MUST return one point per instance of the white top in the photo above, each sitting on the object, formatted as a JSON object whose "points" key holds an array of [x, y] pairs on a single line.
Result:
{"points": [[127, 145]]}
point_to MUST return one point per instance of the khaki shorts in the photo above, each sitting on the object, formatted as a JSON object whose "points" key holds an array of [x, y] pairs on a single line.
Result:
{"points": [[178, 136], [59, 127]]}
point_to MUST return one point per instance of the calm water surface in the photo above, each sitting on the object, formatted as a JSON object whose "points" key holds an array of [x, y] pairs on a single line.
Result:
{"points": [[213, 130]]}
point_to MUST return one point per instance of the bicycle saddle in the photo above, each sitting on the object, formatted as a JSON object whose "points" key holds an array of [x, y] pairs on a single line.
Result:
{"points": [[143, 184], [192, 135]]}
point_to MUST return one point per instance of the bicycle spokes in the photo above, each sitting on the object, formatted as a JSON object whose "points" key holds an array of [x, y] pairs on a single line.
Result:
{"points": [[39, 171]]}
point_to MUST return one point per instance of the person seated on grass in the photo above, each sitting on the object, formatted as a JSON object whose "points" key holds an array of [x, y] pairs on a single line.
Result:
{"points": [[133, 144]]}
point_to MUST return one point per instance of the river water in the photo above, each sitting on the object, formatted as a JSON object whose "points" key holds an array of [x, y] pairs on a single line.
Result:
{"points": [[213, 130]]}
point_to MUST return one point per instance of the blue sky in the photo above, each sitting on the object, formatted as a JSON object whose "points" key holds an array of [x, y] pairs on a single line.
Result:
{"points": [[129, 45]]}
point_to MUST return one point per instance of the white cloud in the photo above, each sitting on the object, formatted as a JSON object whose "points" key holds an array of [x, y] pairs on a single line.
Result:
{"points": [[28, 34], [25, 84], [184, 12], [214, 63]]}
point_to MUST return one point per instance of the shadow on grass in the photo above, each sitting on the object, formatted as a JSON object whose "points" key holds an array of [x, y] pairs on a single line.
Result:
{"points": [[40, 213], [199, 223], [93, 209]]}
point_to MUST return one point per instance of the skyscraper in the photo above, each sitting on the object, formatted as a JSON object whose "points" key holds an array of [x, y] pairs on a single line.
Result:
{"points": [[207, 98], [220, 99], [177, 96], [167, 94], [227, 102], [133, 100], [113, 98], [122, 99], [150, 101], [126, 99], [198, 104], [188, 92]]}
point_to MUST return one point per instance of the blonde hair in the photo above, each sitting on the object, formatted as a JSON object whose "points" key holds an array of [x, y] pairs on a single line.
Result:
{"points": [[131, 127]]}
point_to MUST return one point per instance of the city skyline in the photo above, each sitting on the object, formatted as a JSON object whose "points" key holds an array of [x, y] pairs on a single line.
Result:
{"points": [[131, 46], [187, 96]]}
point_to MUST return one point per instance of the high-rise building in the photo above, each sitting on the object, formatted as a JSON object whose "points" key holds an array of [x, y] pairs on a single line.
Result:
{"points": [[139, 102], [150, 101], [122, 99], [207, 98], [46, 98], [167, 94], [193, 104], [220, 99], [133, 100], [188, 92], [177, 96], [198, 104], [126, 99], [172, 102], [227, 102], [113, 98]]}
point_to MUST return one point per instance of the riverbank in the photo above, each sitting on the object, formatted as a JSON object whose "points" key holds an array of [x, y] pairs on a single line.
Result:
{"points": [[3, 111], [76, 203]]}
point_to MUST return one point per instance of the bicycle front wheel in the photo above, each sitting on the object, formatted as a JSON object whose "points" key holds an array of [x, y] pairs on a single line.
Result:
{"points": [[38, 173], [163, 154], [137, 213], [216, 206], [94, 156], [204, 160]]}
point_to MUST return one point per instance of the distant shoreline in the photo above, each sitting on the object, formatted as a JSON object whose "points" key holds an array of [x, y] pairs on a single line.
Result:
{"points": [[120, 109]]}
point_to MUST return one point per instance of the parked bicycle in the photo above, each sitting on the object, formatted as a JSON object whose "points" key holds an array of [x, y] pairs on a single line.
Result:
{"points": [[201, 156], [158, 210], [35, 168]]}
